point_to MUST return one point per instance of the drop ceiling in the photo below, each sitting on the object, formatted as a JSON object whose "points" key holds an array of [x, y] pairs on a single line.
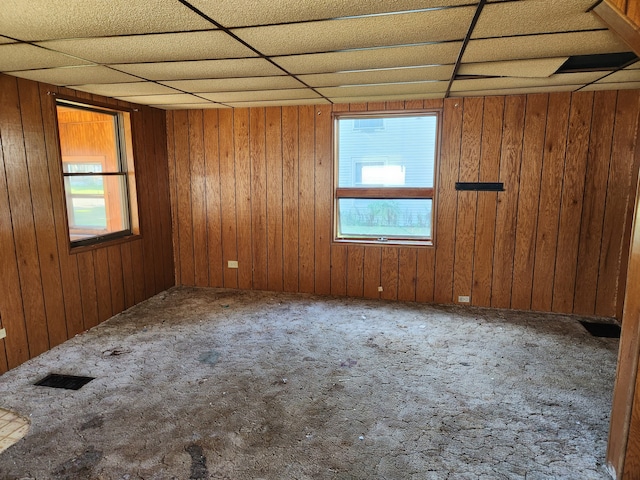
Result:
{"points": [[234, 53]]}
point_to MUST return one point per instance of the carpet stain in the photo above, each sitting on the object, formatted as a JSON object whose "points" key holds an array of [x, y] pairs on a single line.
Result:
{"points": [[198, 463], [80, 466]]}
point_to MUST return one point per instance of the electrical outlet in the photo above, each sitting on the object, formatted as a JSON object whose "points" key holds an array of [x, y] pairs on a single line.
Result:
{"points": [[232, 264], [380, 288], [3, 333], [464, 299]]}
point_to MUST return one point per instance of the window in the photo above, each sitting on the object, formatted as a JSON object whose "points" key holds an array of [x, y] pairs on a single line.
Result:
{"points": [[385, 170], [97, 166]]}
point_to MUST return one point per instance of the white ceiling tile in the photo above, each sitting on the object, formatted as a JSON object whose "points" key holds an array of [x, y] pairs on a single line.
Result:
{"points": [[153, 48], [49, 19], [22, 56], [537, 67], [633, 66], [279, 103], [236, 13], [511, 82], [76, 75], [418, 55], [388, 89], [235, 84], [261, 95], [361, 32], [621, 76], [5, 40], [120, 89], [161, 99], [386, 98], [441, 72], [202, 69], [543, 46], [535, 16], [517, 91], [612, 86], [190, 106]]}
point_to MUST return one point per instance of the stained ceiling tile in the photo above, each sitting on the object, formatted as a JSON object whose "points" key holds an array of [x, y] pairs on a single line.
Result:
{"points": [[361, 32], [537, 67], [517, 91], [543, 46], [385, 89], [386, 98], [235, 84], [76, 75], [622, 76], [417, 55], [120, 89], [211, 44], [278, 103], [51, 19], [190, 106], [202, 69], [236, 13], [581, 78], [22, 56], [535, 16], [254, 96], [612, 86], [415, 74], [5, 40], [162, 99]]}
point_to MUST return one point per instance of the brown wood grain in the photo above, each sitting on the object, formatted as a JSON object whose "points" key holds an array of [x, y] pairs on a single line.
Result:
{"points": [[447, 200], [528, 200], [198, 197], [88, 290], [116, 279], [404, 192], [212, 195], [103, 283], [306, 185], [339, 270], [595, 190], [550, 201], [371, 272], [274, 198], [243, 196], [510, 161], [425, 275], [127, 275], [173, 184], [389, 273], [572, 195], [323, 199], [468, 171], [290, 196], [487, 202], [355, 271], [407, 273], [257, 132]]}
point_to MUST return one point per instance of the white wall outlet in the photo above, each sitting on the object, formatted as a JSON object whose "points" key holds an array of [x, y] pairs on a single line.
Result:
{"points": [[232, 264], [380, 288], [3, 333], [464, 299]]}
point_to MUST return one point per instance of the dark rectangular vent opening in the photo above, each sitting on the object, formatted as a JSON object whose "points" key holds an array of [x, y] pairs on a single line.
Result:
{"points": [[70, 382], [606, 330], [480, 186], [601, 61]]}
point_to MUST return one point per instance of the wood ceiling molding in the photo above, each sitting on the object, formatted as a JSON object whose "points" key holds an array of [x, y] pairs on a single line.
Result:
{"points": [[628, 28]]}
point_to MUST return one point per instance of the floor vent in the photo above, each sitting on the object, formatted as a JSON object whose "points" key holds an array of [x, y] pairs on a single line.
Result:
{"points": [[70, 382], [607, 330]]}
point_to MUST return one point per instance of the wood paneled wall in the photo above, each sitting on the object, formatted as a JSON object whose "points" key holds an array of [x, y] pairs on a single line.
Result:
{"points": [[255, 185], [47, 294]]}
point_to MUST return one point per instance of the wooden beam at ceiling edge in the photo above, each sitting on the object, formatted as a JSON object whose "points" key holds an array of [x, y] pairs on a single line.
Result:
{"points": [[618, 22]]}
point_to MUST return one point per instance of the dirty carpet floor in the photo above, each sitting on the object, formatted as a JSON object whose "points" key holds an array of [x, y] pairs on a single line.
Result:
{"points": [[206, 383]]}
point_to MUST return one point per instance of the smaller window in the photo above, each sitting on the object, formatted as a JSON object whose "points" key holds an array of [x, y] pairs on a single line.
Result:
{"points": [[97, 167]]}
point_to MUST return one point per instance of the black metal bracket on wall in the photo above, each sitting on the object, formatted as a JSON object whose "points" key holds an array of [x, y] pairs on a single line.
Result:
{"points": [[480, 186]]}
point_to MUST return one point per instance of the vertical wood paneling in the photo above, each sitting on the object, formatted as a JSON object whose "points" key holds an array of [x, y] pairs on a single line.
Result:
{"points": [[512, 249], [183, 193], [173, 193], [469, 168], [290, 196], [274, 198], [510, 160], [50, 293], [306, 191], [528, 200], [571, 203], [198, 197], [258, 197], [212, 194]]}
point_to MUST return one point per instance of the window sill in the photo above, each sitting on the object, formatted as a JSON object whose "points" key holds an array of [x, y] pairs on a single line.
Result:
{"points": [[383, 243], [104, 244]]}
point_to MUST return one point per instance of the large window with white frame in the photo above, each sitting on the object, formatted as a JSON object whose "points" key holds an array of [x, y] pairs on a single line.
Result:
{"points": [[385, 170]]}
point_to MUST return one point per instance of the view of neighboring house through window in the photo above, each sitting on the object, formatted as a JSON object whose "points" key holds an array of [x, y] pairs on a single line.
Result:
{"points": [[97, 165], [385, 177]]}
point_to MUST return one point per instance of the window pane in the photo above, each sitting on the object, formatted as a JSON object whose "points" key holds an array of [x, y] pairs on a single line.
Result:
{"points": [[391, 152], [396, 218]]}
